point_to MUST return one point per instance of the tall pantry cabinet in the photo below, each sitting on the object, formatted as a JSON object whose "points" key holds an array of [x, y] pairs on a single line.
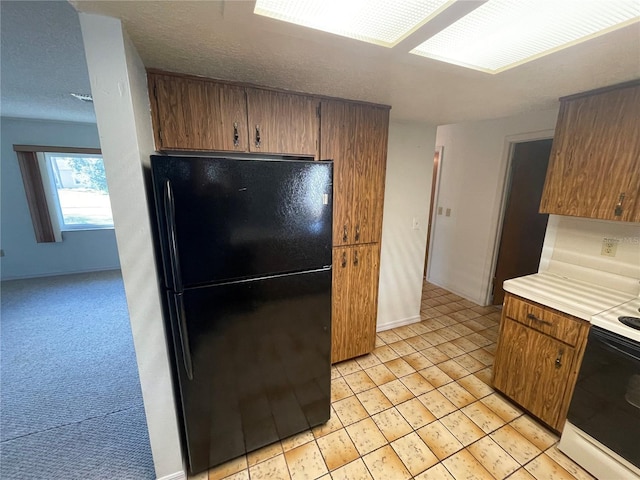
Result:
{"points": [[355, 135], [203, 115]]}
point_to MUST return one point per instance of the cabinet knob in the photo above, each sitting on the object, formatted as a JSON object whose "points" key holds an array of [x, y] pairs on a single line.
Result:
{"points": [[344, 259], [355, 258], [357, 232], [236, 137], [345, 235], [618, 210], [559, 358], [258, 139]]}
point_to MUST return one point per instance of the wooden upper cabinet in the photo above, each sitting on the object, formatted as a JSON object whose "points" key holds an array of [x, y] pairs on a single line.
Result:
{"points": [[372, 127], [282, 123], [338, 128], [355, 136], [191, 114], [594, 168]]}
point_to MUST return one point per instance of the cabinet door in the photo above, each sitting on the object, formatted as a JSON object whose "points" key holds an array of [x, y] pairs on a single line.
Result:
{"points": [[337, 121], [595, 157], [282, 123], [370, 139], [533, 370], [192, 114], [355, 301], [340, 331]]}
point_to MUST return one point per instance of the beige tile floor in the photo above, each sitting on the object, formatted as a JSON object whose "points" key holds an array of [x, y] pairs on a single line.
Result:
{"points": [[420, 406]]}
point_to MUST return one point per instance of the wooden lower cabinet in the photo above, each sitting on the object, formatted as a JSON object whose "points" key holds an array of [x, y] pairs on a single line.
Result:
{"points": [[355, 300], [534, 368]]}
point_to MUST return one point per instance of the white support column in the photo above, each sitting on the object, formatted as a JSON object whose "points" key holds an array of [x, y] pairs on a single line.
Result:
{"points": [[118, 85]]}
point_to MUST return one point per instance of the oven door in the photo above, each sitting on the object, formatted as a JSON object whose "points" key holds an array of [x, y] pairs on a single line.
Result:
{"points": [[606, 400]]}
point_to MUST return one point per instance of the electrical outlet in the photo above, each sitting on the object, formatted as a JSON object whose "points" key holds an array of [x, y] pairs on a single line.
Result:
{"points": [[439, 210], [416, 225], [609, 247], [447, 213]]}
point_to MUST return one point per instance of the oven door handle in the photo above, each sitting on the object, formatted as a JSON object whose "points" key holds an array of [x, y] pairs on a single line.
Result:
{"points": [[619, 350]]}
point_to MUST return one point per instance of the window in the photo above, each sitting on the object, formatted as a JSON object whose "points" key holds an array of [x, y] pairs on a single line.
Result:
{"points": [[66, 189], [79, 191]]}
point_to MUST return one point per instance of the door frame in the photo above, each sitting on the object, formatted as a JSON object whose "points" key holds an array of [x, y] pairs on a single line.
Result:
{"points": [[436, 194], [507, 161]]}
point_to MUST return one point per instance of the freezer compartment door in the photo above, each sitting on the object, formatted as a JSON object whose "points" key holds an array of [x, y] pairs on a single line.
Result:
{"points": [[259, 356], [227, 219]]}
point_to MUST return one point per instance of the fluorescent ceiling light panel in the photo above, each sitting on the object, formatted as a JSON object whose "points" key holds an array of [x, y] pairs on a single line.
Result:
{"points": [[383, 22], [503, 34]]}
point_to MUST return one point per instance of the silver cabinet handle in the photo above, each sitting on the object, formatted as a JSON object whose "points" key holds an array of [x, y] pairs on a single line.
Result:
{"points": [[357, 232], [236, 136], [258, 138], [559, 358], [355, 258], [531, 316], [618, 210]]}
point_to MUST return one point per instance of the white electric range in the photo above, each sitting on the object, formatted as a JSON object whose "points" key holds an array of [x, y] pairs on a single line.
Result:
{"points": [[602, 432], [610, 319]]}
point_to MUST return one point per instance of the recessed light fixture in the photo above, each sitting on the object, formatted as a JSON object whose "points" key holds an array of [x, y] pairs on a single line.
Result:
{"points": [[383, 22], [85, 97], [503, 34]]}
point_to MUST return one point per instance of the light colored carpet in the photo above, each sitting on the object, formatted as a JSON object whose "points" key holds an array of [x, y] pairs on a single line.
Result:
{"points": [[70, 399]]}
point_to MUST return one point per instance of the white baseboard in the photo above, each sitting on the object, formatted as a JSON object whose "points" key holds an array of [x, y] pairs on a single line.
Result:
{"points": [[56, 274], [397, 323], [175, 476]]}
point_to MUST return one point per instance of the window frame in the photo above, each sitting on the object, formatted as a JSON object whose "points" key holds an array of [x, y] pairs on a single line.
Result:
{"points": [[38, 191]]}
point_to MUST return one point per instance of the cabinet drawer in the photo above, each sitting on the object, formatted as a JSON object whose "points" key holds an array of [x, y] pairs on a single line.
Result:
{"points": [[546, 320]]}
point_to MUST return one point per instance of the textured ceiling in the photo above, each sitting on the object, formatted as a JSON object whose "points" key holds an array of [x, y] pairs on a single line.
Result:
{"points": [[226, 40], [42, 61]]}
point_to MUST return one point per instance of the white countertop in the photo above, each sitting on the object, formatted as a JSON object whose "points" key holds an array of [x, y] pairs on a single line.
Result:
{"points": [[574, 297]]}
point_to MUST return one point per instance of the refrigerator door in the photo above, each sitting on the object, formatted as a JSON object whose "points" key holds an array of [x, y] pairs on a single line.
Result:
{"points": [[227, 219], [255, 367]]}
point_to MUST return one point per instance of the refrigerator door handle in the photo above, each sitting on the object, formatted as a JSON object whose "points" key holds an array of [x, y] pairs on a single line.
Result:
{"points": [[170, 211], [181, 322]]}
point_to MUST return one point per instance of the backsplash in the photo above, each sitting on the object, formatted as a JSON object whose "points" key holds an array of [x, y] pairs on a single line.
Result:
{"points": [[573, 248]]}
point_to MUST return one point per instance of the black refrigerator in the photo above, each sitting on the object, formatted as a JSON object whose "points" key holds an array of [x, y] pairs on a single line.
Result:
{"points": [[246, 258]]}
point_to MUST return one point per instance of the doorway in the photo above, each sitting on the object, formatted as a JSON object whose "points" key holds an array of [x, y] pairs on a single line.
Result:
{"points": [[437, 159], [523, 228]]}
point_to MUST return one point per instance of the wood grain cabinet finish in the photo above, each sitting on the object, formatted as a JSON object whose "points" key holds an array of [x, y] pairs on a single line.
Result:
{"points": [[199, 115], [355, 300], [282, 123], [594, 168], [355, 137], [537, 360]]}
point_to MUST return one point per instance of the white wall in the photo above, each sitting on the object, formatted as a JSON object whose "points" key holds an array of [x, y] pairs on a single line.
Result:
{"points": [[79, 251], [573, 248], [407, 191], [473, 171], [120, 96]]}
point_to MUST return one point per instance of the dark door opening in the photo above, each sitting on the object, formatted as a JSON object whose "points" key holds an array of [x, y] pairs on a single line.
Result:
{"points": [[523, 228]]}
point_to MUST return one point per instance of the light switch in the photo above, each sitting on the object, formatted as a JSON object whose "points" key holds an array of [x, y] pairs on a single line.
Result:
{"points": [[448, 213], [415, 224], [439, 210]]}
